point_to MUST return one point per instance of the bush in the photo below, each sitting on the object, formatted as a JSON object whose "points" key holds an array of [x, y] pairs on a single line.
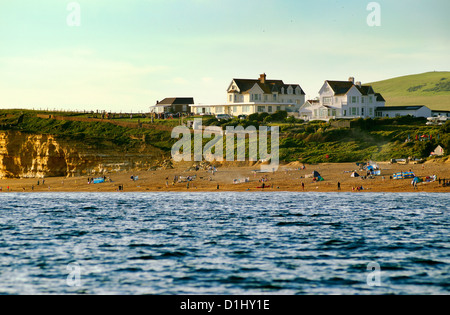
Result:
{"points": [[253, 117], [211, 122], [279, 116], [268, 119], [291, 120], [262, 116], [446, 127]]}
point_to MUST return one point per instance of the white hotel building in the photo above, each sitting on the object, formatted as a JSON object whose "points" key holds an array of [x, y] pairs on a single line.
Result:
{"points": [[246, 96]]}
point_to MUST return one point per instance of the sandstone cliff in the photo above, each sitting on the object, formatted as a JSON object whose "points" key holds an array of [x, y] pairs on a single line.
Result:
{"points": [[26, 155]]}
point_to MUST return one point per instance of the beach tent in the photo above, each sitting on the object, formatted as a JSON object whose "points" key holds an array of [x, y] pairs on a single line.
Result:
{"points": [[99, 180], [354, 174], [317, 176], [370, 168]]}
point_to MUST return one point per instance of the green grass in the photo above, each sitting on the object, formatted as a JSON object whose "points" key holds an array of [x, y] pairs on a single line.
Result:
{"points": [[378, 139], [431, 89]]}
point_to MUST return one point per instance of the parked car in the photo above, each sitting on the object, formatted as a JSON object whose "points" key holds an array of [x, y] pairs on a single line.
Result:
{"points": [[242, 117], [223, 117]]}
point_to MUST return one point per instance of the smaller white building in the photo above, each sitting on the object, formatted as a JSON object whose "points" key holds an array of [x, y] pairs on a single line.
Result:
{"points": [[343, 99], [399, 111]]}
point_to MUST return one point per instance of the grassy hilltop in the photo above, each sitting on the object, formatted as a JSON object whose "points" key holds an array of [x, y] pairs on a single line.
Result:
{"points": [[431, 89]]}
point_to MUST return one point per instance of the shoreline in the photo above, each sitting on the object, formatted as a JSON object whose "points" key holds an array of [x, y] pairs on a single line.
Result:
{"points": [[288, 178]]}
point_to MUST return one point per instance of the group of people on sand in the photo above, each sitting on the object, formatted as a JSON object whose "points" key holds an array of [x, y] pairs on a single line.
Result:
{"points": [[358, 188], [445, 183]]}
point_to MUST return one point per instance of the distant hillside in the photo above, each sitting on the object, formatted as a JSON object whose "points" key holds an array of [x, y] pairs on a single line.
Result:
{"points": [[431, 89]]}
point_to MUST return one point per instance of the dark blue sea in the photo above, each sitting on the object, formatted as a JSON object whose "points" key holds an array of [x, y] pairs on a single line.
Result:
{"points": [[224, 243]]}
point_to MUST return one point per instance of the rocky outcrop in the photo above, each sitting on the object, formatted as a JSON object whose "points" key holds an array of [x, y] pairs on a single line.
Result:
{"points": [[24, 155]]}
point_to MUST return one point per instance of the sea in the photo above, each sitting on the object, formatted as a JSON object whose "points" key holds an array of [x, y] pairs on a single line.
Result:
{"points": [[225, 243]]}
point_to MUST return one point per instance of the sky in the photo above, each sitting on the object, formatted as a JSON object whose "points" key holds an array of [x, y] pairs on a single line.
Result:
{"points": [[125, 55]]}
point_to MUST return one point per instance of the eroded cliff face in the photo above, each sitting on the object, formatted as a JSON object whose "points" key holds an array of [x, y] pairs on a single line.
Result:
{"points": [[28, 156]]}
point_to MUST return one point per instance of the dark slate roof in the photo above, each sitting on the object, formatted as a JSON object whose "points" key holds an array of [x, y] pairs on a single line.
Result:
{"points": [[366, 90], [379, 97], [269, 87], [176, 101], [395, 108], [340, 87]]}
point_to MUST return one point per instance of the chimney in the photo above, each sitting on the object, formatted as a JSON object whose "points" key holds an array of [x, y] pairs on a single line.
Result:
{"points": [[352, 79], [262, 78], [358, 83]]}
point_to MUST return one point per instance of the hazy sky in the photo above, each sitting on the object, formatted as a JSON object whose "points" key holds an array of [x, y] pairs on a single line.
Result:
{"points": [[125, 55]]}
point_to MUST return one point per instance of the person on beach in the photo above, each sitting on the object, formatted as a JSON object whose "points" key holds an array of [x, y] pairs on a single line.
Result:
{"points": [[339, 186], [303, 186]]}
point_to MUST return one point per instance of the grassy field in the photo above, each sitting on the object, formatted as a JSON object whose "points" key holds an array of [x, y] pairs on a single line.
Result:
{"points": [[431, 89], [315, 142]]}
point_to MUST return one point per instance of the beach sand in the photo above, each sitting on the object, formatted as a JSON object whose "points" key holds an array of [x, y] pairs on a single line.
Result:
{"points": [[289, 177]]}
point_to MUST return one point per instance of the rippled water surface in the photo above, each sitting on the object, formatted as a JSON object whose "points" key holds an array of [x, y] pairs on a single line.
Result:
{"points": [[224, 243]]}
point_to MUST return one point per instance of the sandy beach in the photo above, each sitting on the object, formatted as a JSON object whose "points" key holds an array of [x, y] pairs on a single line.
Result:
{"points": [[289, 177]]}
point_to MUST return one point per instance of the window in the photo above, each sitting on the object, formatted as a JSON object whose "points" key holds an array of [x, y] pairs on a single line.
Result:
{"points": [[371, 111], [274, 97], [256, 97], [265, 98], [269, 109], [362, 99], [354, 99], [370, 99], [235, 109], [245, 109], [278, 108], [231, 98], [362, 111], [327, 100], [261, 109], [219, 110], [353, 111]]}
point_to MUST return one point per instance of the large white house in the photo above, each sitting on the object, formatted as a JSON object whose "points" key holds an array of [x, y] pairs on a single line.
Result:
{"points": [[246, 96], [343, 99]]}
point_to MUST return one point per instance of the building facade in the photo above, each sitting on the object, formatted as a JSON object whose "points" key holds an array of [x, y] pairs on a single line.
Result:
{"points": [[399, 111], [246, 96], [173, 105], [343, 99]]}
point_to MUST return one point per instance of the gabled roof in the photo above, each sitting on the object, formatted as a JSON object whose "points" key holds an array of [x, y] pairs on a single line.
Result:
{"points": [[379, 97], [340, 87], [366, 90], [176, 101], [269, 87]]}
